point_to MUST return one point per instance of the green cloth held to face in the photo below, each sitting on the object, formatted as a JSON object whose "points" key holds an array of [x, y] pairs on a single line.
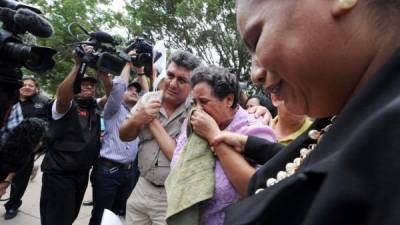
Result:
{"points": [[191, 181]]}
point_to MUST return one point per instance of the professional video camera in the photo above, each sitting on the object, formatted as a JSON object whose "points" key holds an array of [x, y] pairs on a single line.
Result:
{"points": [[103, 48], [104, 55], [18, 19], [144, 54]]}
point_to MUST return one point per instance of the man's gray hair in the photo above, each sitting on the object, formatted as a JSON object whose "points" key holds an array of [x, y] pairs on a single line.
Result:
{"points": [[184, 59]]}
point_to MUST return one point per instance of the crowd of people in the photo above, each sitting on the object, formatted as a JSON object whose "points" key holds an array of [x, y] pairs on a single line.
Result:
{"points": [[319, 148]]}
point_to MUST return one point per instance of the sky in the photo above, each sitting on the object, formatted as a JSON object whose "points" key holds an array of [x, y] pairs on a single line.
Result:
{"points": [[117, 5]]}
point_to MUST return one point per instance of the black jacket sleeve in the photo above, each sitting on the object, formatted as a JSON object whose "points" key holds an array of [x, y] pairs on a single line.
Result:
{"points": [[260, 150]]}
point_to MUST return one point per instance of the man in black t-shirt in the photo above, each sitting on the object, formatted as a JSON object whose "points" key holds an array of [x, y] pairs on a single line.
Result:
{"points": [[33, 105], [73, 146]]}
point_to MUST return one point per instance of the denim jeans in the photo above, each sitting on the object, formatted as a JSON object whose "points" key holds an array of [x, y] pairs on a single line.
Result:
{"points": [[111, 188]]}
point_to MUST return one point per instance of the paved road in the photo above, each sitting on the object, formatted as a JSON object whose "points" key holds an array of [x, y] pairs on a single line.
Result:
{"points": [[29, 211]]}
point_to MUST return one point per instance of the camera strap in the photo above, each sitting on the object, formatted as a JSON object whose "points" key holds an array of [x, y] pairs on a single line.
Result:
{"points": [[78, 78]]}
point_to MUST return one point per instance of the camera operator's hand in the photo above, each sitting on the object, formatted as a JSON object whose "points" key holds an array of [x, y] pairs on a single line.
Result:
{"points": [[139, 70], [106, 79], [77, 59], [86, 49], [148, 112], [126, 73], [131, 53]]}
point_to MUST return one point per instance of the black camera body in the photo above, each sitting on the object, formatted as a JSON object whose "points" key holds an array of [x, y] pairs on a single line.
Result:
{"points": [[105, 57], [144, 54], [110, 63], [18, 19], [14, 52]]}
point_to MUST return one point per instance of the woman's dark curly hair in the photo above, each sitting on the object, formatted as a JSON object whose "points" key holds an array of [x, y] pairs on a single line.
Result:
{"points": [[221, 81], [18, 146]]}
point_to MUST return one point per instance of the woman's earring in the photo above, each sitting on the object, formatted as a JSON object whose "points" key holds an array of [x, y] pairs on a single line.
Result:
{"points": [[346, 4], [341, 7]]}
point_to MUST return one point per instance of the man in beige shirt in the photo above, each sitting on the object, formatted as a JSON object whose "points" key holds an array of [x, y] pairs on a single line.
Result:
{"points": [[158, 113]]}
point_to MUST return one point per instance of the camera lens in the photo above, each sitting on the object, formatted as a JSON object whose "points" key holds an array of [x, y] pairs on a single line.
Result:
{"points": [[17, 52], [35, 58]]}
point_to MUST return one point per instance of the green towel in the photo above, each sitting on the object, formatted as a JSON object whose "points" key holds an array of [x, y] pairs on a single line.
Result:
{"points": [[191, 181]]}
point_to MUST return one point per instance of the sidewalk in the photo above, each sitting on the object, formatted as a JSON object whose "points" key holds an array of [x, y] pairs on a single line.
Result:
{"points": [[29, 211]]}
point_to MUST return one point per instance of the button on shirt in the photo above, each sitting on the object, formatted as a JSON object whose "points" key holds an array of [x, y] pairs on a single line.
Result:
{"points": [[153, 164], [115, 113]]}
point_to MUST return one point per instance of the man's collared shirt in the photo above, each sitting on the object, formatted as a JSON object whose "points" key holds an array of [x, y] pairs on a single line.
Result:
{"points": [[153, 164], [115, 113], [13, 120]]}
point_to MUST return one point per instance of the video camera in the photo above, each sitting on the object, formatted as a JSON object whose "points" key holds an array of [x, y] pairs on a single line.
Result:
{"points": [[18, 19], [144, 54], [107, 58]]}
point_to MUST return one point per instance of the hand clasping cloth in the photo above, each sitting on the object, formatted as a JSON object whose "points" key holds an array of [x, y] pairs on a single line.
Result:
{"points": [[191, 181]]}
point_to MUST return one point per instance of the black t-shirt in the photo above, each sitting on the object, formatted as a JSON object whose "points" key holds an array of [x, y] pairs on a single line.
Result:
{"points": [[36, 106]]}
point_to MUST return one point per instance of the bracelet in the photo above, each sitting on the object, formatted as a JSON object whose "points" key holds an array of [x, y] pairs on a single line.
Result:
{"points": [[141, 74]]}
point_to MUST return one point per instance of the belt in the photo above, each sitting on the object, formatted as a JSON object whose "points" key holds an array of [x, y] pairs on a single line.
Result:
{"points": [[110, 163]]}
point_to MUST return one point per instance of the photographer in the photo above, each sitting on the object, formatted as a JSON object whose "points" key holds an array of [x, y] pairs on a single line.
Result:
{"points": [[73, 147], [115, 174]]}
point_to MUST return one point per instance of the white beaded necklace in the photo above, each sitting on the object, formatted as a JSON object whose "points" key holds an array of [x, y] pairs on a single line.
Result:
{"points": [[292, 167]]}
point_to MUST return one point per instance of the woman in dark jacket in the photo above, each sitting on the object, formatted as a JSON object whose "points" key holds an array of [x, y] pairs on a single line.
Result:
{"points": [[338, 61]]}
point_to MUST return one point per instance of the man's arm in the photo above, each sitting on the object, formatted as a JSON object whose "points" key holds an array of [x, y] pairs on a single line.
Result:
{"points": [[115, 98], [129, 129], [65, 91], [167, 143], [142, 79], [261, 150], [142, 114], [108, 85]]}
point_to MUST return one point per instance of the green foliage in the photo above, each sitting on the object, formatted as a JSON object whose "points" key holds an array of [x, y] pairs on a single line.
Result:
{"points": [[61, 13], [206, 27]]}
